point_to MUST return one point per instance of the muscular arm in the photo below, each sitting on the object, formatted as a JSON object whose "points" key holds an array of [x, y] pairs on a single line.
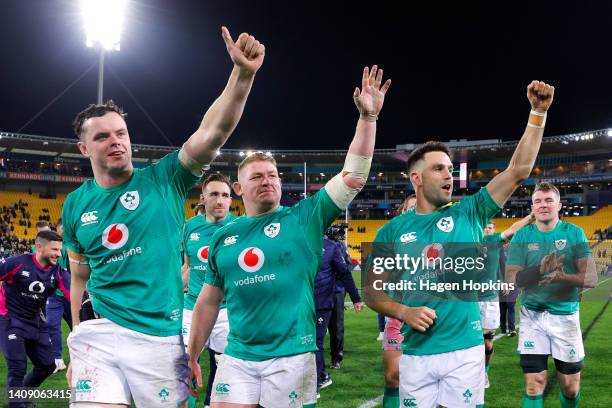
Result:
{"points": [[586, 276], [205, 315], [502, 186], [343, 187], [80, 273], [221, 119], [514, 228]]}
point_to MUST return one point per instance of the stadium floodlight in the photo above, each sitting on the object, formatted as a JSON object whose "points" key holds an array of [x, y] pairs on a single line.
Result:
{"points": [[609, 132], [241, 154], [103, 20]]}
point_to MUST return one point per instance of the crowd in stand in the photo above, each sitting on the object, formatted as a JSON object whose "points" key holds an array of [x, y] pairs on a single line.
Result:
{"points": [[10, 243], [25, 166], [601, 235]]}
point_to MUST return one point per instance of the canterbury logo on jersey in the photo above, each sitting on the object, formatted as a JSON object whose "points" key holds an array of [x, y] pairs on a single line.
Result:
{"points": [[533, 247], [89, 217], [194, 236], [408, 237], [230, 240]]}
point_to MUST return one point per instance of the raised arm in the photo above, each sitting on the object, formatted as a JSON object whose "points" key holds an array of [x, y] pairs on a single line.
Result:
{"points": [[221, 119], [343, 187], [514, 228], [502, 186]]}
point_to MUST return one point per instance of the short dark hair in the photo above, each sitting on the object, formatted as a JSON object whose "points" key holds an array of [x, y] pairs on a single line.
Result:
{"points": [[544, 186], [418, 153], [42, 224], [95, 111], [47, 236], [216, 177]]}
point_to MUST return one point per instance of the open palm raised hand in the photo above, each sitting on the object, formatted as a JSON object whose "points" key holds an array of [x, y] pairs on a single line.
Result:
{"points": [[370, 98]]}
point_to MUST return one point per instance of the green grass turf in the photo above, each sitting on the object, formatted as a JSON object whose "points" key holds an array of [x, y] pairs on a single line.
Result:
{"points": [[361, 376]]}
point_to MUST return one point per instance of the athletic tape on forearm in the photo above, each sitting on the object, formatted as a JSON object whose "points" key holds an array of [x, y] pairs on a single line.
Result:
{"points": [[78, 261], [356, 168], [196, 168]]}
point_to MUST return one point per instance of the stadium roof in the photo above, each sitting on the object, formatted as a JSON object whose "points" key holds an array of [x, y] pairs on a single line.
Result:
{"points": [[584, 143]]}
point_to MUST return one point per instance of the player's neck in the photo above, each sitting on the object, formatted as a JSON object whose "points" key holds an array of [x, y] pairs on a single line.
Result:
{"points": [[110, 180], [546, 226], [42, 262], [261, 210], [213, 219], [424, 207]]}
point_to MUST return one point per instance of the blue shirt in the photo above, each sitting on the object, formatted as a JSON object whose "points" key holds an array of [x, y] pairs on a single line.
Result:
{"points": [[333, 266], [27, 285]]}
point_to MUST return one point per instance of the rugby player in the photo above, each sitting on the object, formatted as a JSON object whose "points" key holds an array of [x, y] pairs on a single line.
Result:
{"points": [[123, 233], [489, 301], [28, 280], [216, 198], [551, 259], [443, 364], [392, 342], [264, 265], [58, 307]]}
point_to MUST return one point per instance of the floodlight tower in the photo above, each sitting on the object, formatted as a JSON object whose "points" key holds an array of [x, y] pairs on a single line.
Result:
{"points": [[103, 21]]}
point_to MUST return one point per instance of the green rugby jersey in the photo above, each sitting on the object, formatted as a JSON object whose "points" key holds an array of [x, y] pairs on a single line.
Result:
{"points": [[266, 266], [527, 249], [454, 226], [196, 241], [131, 235], [492, 245]]}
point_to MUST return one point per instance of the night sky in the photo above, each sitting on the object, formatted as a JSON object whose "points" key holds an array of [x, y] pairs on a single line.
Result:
{"points": [[457, 72]]}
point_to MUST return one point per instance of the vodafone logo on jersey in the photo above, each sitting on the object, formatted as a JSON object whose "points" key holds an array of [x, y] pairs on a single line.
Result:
{"points": [[115, 236], [203, 254], [433, 251], [251, 259]]}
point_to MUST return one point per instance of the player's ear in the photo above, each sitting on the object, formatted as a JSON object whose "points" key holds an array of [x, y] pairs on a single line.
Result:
{"points": [[83, 149], [237, 188], [415, 178]]}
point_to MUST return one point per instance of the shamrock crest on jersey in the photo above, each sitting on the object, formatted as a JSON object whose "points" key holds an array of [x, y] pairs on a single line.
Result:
{"points": [[272, 230], [560, 244], [130, 200], [446, 224]]}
